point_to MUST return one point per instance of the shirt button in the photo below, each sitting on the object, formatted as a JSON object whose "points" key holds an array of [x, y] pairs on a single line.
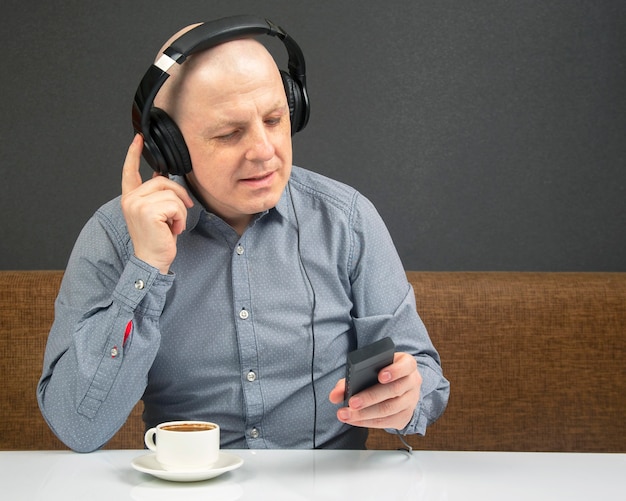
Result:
{"points": [[251, 376], [114, 352], [243, 314], [139, 284], [239, 250], [254, 433]]}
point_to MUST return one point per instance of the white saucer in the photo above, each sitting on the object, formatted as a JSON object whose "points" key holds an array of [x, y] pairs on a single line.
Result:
{"points": [[148, 464]]}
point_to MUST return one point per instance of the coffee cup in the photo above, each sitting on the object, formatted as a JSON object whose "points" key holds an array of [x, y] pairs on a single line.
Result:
{"points": [[184, 445]]}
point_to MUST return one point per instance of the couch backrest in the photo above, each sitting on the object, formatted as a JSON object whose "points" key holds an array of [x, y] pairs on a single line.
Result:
{"points": [[537, 361]]}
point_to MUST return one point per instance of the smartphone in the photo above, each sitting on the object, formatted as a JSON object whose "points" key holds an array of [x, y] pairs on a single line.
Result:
{"points": [[364, 364]]}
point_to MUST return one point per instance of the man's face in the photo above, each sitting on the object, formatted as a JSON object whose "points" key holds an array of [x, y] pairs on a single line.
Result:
{"points": [[235, 120]]}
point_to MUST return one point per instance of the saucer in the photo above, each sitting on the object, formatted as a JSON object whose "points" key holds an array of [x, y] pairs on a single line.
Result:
{"points": [[148, 464]]}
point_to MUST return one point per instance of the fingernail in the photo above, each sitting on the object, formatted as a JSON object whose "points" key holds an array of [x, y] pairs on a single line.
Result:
{"points": [[356, 402], [385, 376], [344, 414]]}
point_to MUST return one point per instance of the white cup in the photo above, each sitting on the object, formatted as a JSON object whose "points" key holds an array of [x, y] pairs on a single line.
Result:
{"points": [[185, 445]]}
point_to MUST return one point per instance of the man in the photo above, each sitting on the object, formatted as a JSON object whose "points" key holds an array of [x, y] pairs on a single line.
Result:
{"points": [[234, 293]]}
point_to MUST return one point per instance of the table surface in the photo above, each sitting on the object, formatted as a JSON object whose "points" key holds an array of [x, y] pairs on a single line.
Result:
{"points": [[322, 475]]}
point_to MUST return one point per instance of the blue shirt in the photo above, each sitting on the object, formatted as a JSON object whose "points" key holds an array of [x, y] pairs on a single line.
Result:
{"points": [[248, 331]]}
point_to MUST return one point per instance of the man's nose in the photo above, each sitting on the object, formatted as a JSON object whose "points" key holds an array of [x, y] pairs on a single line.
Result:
{"points": [[260, 147]]}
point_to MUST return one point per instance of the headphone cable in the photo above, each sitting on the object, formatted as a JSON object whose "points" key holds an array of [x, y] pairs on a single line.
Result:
{"points": [[314, 303]]}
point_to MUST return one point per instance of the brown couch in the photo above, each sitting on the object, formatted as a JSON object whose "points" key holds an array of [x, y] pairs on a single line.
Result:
{"points": [[537, 361]]}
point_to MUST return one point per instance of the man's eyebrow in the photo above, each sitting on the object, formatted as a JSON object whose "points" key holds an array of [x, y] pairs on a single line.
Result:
{"points": [[225, 124]]}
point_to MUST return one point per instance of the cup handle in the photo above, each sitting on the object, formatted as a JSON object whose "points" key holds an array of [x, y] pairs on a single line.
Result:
{"points": [[149, 439]]}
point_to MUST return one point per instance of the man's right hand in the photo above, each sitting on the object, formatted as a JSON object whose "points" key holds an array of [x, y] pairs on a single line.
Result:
{"points": [[155, 211]]}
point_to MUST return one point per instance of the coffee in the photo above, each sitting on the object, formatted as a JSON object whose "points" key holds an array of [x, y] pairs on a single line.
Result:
{"points": [[189, 427]]}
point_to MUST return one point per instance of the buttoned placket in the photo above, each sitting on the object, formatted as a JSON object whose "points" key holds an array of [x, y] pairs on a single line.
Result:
{"points": [[244, 322]]}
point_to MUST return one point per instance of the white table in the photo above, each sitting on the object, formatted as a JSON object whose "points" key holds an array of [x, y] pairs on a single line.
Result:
{"points": [[322, 475]]}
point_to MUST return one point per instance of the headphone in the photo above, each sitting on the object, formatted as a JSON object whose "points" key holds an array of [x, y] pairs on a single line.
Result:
{"points": [[164, 146]]}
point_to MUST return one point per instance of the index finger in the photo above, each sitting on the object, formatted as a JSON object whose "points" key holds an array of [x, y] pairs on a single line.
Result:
{"points": [[403, 365], [131, 178]]}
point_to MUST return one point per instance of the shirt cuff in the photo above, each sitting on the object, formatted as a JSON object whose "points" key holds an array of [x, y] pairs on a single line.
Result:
{"points": [[142, 287], [417, 424]]}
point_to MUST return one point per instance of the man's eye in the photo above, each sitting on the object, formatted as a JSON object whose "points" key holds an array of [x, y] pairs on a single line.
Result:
{"points": [[229, 136], [273, 121]]}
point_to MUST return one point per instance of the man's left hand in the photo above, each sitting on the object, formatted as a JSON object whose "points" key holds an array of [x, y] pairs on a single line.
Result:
{"points": [[389, 404]]}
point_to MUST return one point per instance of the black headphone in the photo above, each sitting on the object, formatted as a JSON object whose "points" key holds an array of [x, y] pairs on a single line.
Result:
{"points": [[164, 146]]}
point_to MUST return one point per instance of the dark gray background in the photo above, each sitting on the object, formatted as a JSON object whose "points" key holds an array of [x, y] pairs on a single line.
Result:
{"points": [[489, 134]]}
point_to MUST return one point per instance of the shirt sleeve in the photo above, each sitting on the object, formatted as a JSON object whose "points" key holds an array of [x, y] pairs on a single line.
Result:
{"points": [[384, 305], [104, 338]]}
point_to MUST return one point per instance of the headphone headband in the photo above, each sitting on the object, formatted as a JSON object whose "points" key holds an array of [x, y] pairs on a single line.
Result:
{"points": [[202, 37], [210, 34]]}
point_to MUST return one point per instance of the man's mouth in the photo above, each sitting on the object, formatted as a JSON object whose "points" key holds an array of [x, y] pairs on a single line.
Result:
{"points": [[260, 180]]}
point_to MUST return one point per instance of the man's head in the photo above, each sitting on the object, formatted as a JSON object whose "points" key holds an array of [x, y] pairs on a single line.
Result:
{"points": [[227, 81], [230, 106]]}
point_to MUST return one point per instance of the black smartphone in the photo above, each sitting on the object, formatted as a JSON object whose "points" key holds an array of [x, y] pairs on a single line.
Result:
{"points": [[364, 364]]}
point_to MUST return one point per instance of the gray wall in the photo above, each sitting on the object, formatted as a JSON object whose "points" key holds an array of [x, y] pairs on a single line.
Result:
{"points": [[489, 134]]}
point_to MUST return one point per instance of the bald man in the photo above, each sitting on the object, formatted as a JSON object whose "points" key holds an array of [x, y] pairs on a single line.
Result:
{"points": [[234, 293]]}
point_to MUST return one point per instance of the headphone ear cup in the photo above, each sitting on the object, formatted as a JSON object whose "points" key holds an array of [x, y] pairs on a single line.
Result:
{"points": [[169, 141], [295, 102]]}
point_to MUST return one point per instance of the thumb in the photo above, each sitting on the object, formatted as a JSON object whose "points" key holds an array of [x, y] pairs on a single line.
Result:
{"points": [[337, 393]]}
